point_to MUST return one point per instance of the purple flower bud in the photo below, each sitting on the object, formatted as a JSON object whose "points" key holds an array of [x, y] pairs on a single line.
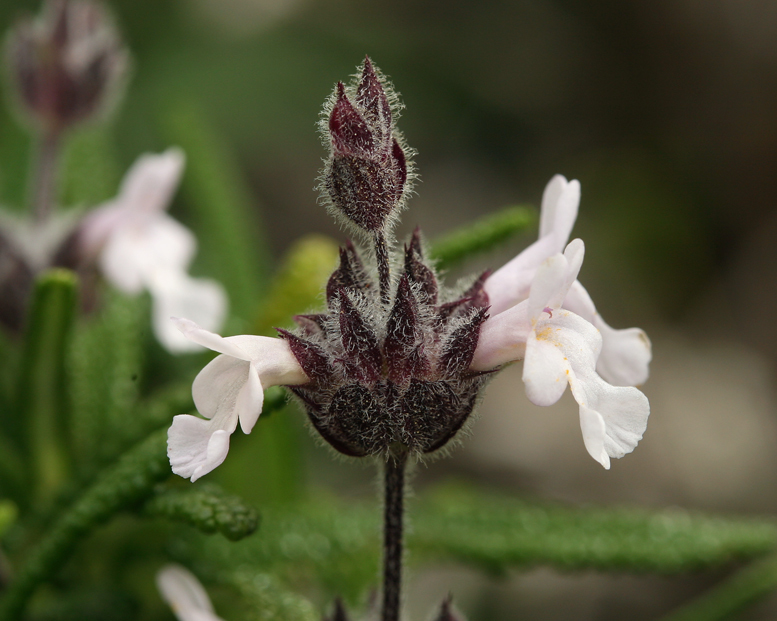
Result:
{"points": [[67, 64], [366, 174]]}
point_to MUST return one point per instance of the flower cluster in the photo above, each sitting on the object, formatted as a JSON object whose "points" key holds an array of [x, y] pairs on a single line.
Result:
{"points": [[67, 65], [396, 362]]}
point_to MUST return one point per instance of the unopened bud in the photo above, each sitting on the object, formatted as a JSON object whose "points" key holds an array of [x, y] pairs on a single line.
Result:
{"points": [[366, 174], [67, 64]]}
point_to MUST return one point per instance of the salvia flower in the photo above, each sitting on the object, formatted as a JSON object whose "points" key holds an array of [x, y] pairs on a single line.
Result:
{"points": [[228, 390], [138, 247], [560, 348], [626, 354], [68, 64], [395, 363], [184, 594]]}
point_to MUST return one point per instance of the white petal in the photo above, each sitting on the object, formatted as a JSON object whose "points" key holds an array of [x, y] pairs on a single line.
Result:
{"points": [[177, 294], [209, 339], [195, 446], [545, 369], [149, 184], [626, 354], [218, 385], [229, 383], [623, 410], [560, 203], [184, 594], [502, 338], [134, 252], [554, 278], [548, 283], [594, 434], [273, 360], [510, 284], [250, 400]]}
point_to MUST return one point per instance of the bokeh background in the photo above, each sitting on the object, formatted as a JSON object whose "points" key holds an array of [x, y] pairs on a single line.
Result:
{"points": [[666, 111]]}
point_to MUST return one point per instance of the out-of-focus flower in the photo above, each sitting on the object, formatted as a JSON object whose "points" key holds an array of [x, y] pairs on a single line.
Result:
{"points": [[560, 348], [186, 596], [138, 246], [67, 64], [229, 389], [625, 354]]}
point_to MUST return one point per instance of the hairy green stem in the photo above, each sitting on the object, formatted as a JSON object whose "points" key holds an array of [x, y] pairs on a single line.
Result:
{"points": [[393, 516]]}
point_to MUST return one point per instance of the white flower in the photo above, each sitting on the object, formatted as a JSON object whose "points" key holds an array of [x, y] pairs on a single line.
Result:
{"points": [[560, 348], [138, 246], [625, 354], [186, 596], [229, 389]]}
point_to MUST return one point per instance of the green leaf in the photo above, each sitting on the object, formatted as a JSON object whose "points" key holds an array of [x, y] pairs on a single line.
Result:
{"points": [[482, 235], [104, 371], [223, 211], [41, 387], [207, 508], [498, 533], [267, 600], [121, 486], [733, 595]]}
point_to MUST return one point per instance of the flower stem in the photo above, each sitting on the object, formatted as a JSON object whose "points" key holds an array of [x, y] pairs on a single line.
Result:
{"points": [[45, 174], [384, 270], [393, 515]]}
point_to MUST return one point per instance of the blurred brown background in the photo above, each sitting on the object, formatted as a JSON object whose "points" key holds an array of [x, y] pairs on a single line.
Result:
{"points": [[666, 111]]}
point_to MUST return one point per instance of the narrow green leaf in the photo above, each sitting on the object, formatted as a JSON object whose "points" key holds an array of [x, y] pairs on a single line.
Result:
{"points": [[733, 595], [267, 600], [128, 482], [224, 213], [482, 235], [104, 371], [41, 393], [499, 533], [207, 508]]}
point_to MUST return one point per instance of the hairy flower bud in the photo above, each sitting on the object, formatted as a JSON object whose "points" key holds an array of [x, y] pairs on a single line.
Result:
{"points": [[67, 63], [366, 176]]}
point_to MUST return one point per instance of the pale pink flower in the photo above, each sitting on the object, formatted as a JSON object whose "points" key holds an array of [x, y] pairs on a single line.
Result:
{"points": [[559, 348], [625, 354]]}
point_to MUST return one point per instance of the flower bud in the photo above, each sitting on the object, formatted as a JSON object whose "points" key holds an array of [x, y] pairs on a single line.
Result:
{"points": [[66, 64], [366, 174]]}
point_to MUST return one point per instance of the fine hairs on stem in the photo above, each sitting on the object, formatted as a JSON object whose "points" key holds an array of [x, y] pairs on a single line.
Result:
{"points": [[393, 518]]}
